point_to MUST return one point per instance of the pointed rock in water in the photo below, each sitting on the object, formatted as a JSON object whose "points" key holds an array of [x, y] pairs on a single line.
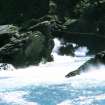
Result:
{"points": [[73, 73], [99, 58], [8, 33], [82, 68]]}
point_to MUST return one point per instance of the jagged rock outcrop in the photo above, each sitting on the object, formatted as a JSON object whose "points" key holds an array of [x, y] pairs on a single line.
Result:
{"points": [[98, 59], [23, 49]]}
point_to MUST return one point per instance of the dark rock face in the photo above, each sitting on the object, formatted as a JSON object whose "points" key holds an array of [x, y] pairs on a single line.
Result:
{"points": [[6, 32], [37, 22], [23, 49], [30, 52], [65, 8], [89, 19], [67, 50], [100, 57], [17, 11]]}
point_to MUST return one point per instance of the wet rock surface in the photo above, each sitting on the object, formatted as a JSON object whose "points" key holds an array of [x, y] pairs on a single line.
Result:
{"points": [[27, 29], [22, 49], [98, 59]]}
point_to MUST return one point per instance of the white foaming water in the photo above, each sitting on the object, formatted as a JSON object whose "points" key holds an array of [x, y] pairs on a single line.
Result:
{"points": [[52, 73], [81, 51], [95, 72], [49, 73]]}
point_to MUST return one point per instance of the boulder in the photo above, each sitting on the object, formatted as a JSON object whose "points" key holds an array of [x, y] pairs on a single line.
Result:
{"points": [[82, 68], [23, 49], [98, 59], [30, 52]]}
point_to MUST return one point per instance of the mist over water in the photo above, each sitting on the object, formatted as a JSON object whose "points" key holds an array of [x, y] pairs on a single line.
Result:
{"points": [[46, 84]]}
